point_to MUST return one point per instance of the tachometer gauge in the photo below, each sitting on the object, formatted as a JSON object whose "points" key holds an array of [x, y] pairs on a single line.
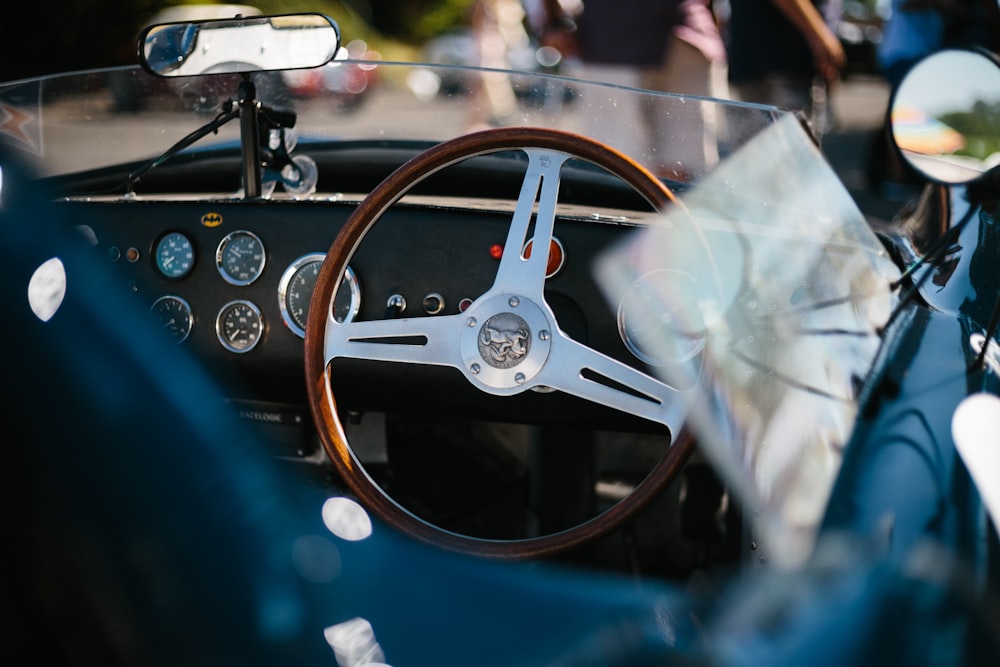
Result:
{"points": [[174, 255], [296, 287], [175, 316], [653, 322], [240, 257], [239, 326]]}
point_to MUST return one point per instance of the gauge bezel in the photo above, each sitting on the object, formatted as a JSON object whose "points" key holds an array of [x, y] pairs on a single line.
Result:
{"points": [[185, 308], [286, 280], [255, 272], [625, 329], [350, 280], [220, 318], [158, 246]]}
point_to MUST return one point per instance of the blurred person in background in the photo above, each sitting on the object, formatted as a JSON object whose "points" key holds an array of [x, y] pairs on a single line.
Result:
{"points": [[787, 54], [917, 28], [663, 45], [498, 27]]}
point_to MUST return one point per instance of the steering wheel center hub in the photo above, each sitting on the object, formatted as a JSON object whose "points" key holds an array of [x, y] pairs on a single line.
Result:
{"points": [[505, 343]]}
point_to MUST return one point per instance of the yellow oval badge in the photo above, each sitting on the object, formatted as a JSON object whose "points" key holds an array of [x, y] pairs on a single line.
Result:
{"points": [[211, 219]]}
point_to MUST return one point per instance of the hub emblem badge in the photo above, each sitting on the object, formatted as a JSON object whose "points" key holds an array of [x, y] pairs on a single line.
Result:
{"points": [[504, 340]]}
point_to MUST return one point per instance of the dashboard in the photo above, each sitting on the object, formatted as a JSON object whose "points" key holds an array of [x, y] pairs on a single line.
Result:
{"points": [[232, 279]]}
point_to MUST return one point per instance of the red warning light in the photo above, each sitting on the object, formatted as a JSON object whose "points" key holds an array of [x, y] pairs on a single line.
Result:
{"points": [[557, 257]]}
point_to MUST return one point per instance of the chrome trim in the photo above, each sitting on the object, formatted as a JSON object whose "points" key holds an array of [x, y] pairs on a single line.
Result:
{"points": [[255, 271], [254, 312]]}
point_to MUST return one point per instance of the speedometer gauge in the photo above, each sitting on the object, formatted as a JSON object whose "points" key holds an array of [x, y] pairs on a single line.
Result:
{"points": [[296, 287], [239, 326], [240, 257]]}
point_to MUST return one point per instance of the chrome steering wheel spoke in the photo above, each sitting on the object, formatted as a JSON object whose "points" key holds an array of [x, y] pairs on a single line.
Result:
{"points": [[414, 340], [586, 373], [518, 275]]}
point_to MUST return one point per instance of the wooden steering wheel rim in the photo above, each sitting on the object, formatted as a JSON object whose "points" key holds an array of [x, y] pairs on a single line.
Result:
{"points": [[323, 405]]}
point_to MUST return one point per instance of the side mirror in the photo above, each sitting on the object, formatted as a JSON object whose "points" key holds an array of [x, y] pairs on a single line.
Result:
{"points": [[945, 116], [251, 44]]}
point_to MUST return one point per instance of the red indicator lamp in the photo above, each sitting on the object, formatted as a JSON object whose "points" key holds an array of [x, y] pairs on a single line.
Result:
{"points": [[557, 256]]}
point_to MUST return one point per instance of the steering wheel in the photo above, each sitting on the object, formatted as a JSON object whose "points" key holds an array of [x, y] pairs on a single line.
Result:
{"points": [[505, 343]]}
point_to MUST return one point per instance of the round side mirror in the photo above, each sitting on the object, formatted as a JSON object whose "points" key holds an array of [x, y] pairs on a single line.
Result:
{"points": [[945, 116], [252, 44]]}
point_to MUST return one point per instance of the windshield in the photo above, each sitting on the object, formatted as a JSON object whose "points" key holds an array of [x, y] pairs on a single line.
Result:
{"points": [[88, 120], [763, 297], [760, 298]]}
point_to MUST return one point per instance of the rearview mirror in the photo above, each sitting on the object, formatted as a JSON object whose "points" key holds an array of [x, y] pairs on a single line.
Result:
{"points": [[251, 44], [945, 116]]}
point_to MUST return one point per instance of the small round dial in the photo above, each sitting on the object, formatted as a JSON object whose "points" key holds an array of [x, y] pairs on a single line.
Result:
{"points": [[174, 315], [174, 255], [296, 287], [239, 326], [240, 257]]}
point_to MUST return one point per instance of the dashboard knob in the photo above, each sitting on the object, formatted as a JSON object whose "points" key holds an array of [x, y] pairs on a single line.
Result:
{"points": [[433, 303]]}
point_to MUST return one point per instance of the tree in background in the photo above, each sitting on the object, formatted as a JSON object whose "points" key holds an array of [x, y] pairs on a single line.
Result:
{"points": [[416, 21], [66, 35]]}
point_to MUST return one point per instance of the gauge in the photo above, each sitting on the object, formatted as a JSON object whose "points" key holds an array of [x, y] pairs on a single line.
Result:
{"points": [[652, 320], [239, 326], [296, 287], [240, 257], [175, 316], [174, 255]]}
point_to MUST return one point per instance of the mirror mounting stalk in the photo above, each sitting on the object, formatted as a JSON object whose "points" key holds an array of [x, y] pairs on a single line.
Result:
{"points": [[249, 110]]}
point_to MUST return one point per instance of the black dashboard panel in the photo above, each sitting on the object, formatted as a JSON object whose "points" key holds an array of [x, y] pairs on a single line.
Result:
{"points": [[414, 251]]}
